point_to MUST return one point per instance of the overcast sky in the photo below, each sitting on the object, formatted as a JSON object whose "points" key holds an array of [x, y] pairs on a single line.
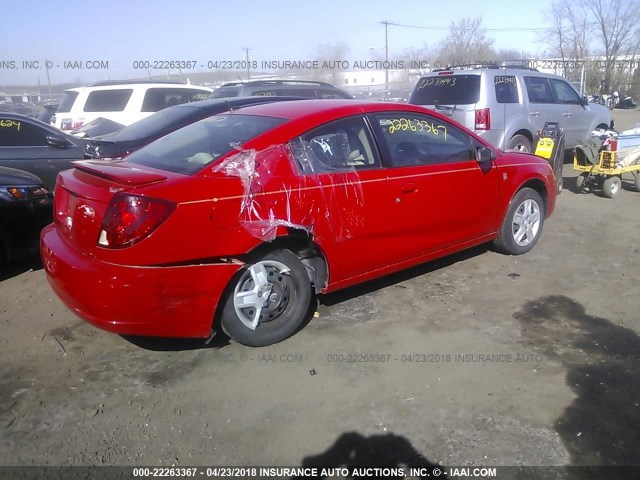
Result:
{"points": [[122, 32]]}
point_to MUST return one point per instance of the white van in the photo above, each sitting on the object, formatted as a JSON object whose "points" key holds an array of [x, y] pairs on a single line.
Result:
{"points": [[121, 102]]}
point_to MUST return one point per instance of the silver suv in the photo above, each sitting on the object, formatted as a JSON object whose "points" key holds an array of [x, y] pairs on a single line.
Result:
{"points": [[508, 105]]}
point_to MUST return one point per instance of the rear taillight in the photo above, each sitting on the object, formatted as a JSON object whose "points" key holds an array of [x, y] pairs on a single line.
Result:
{"points": [[131, 218], [483, 119]]}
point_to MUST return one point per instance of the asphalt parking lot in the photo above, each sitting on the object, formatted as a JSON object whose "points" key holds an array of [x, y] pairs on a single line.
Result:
{"points": [[476, 359]]}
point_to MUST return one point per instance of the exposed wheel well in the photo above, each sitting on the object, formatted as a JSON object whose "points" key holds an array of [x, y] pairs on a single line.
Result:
{"points": [[524, 133], [538, 186], [309, 253]]}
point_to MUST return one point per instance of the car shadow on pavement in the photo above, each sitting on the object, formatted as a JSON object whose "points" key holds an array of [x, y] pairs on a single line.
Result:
{"points": [[353, 451], [602, 359], [19, 267], [167, 344], [402, 276]]}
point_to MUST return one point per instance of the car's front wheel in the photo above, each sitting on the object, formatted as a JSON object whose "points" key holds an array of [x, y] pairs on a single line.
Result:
{"points": [[268, 300], [522, 225]]}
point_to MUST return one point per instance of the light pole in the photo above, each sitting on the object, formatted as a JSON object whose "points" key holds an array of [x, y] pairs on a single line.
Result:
{"points": [[386, 54], [247, 50]]}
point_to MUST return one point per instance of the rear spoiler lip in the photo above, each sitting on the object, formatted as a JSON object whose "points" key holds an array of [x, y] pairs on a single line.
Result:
{"points": [[119, 171]]}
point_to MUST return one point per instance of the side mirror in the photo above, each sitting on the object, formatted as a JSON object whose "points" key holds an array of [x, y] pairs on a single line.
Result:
{"points": [[484, 154], [584, 101], [57, 142]]}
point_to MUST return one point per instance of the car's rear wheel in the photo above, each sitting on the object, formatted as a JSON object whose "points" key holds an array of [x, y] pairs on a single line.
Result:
{"points": [[268, 300], [519, 143], [522, 225]]}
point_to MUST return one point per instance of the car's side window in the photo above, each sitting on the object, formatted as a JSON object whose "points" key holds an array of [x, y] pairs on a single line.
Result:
{"points": [[417, 139], [506, 89], [344, 145], [17, 133], [564, 93], [538, 90]]}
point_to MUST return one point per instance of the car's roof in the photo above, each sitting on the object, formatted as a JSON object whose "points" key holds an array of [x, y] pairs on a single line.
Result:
{"points": [[17, 116], [129, 86], [303, 108], [491, 71], [22, 118], [212, 103]]}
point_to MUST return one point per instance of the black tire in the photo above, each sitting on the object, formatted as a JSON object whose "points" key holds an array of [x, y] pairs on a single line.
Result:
{"points": [[519, 143], [288, 299], [611, 186], [525, 199], [581, 181]]}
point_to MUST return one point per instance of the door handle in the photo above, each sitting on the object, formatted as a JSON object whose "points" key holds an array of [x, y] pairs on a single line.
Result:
{"points": [[534, 114], [409, 187]]}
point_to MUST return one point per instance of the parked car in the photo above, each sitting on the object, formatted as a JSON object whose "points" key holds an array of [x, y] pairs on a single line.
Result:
{"points": [[25, 207], [142, 132], [123, 102], [272, 88], [239, 219], [28, 144], [507, 106]]}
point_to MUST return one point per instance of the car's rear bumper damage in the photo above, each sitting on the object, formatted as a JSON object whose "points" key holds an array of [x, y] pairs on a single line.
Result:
{"points": [[167, 301]]}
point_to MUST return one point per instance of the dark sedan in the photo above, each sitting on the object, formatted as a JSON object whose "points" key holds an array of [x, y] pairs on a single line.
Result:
{"points": [[25, 207], [31, 145], [142, 132]]}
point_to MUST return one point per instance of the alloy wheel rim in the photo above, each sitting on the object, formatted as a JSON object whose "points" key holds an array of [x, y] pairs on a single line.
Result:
{"points": [[526, 223], [263, 293]]}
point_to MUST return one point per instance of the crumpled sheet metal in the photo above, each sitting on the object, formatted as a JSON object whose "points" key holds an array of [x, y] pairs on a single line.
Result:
{"points": [[274, 200]]}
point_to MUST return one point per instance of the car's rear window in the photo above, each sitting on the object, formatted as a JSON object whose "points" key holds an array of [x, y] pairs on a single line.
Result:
{"points": [[446, 90], [108, 100], [191, 148], [158, 98], [67, 102], [506, 89], [169, 118], [224, 93]]}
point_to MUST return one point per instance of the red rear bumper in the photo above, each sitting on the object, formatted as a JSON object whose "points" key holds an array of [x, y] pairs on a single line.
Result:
{"points": [[176, 301]]}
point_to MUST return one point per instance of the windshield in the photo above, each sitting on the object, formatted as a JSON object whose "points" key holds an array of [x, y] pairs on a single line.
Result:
{"points": [[446, 90], [191, 148], [171, 117]]}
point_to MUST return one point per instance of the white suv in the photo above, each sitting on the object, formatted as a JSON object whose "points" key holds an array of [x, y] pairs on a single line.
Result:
{"points": [[121, 102]]}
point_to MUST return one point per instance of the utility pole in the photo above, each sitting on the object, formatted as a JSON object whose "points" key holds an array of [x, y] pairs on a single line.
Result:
{"points": [[46, 65], [386, 54], [247, 50]]}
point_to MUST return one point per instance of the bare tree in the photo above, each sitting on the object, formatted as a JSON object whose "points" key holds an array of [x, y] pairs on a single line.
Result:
{"points": [[568, 39], [467, 43], [332, 58], [617, 28]]}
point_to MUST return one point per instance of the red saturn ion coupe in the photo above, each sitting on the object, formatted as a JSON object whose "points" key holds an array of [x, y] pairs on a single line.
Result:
{"points": [[240, 218]]}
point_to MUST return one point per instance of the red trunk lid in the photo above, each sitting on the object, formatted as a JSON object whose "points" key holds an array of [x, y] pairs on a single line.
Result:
{"points": [[82, 196]]}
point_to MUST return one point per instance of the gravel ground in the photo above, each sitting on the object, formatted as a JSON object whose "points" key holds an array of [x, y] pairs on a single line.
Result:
{"points": [[488, 359]]}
